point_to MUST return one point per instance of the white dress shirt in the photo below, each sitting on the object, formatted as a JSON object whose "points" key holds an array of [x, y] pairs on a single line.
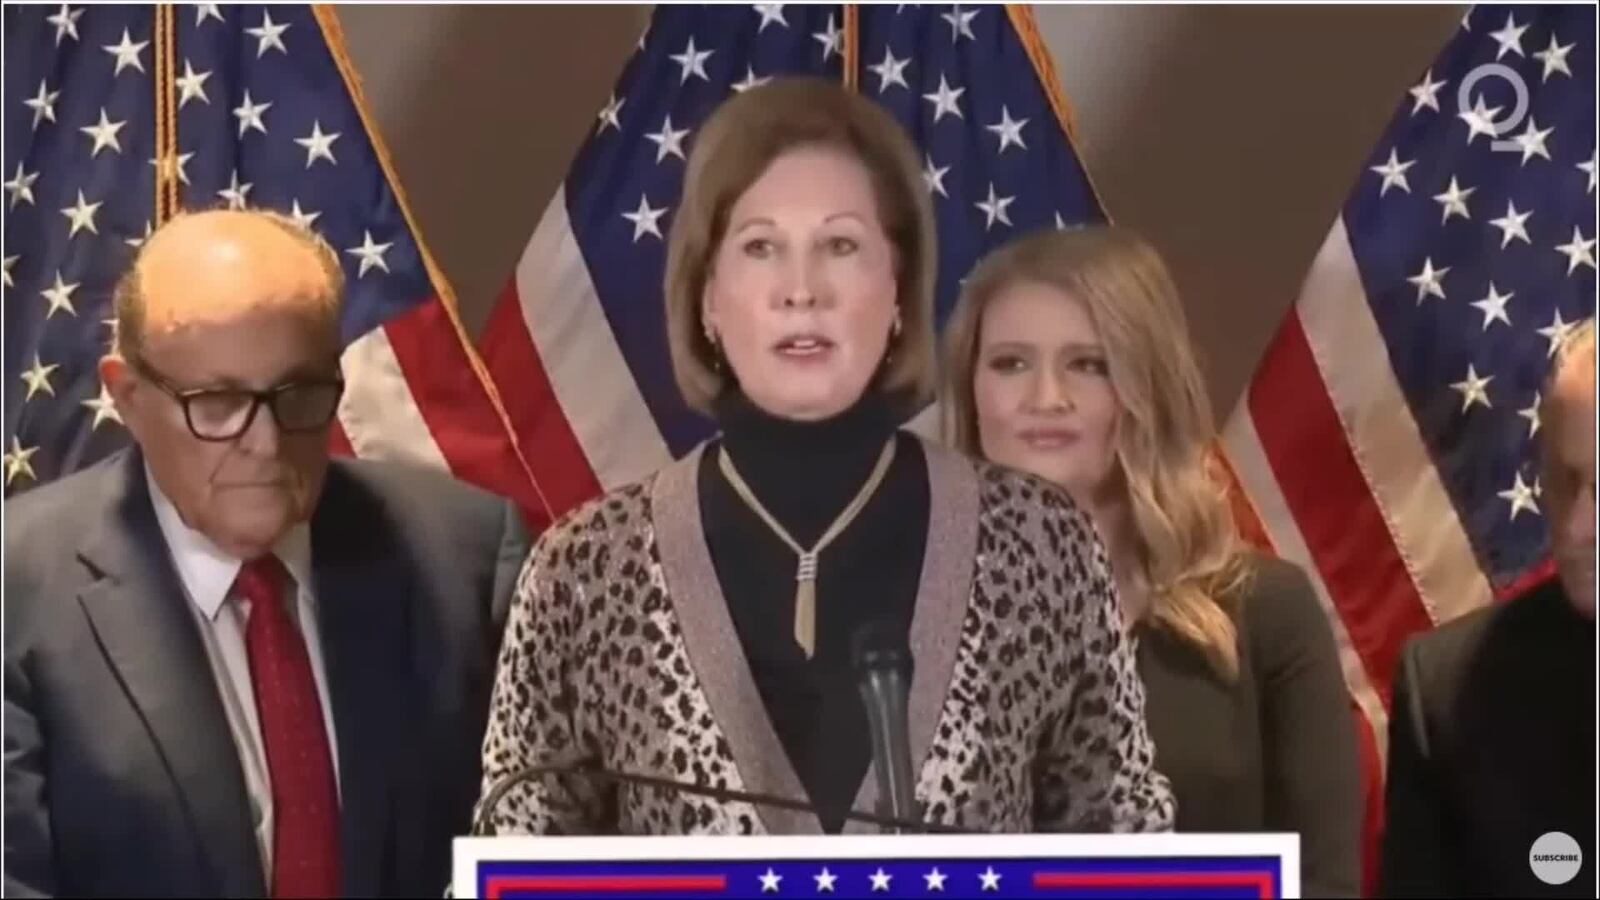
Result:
{"points": [[207, 574]]}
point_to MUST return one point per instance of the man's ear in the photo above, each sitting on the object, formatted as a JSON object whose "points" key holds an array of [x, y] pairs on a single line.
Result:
{"points": [[119, 381]]}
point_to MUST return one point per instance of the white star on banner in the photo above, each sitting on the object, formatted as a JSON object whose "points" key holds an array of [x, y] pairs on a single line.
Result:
{"points": [[192, 86], [127, 53], [891, 71], [770, 881], [770, 13], [21, 187], [825, 881], [1454, 201], [1532, 141], [37, 378], [933, 176], [81, 215], [16, 460], [935, 880], [66, 23], [960, 23], [1512, 225], [645, 219], [1509, 38], [1520, 496], [831, 38], [302, 218], [43, 104], [268, 35], [318, 145], [692, 62], [207, 11], [1554, 58], [104, 134], [1480, 119], [1473, 389], [990, 879], [1394, 173], [1556, 333], [103, 408], [370, 254], [1429, 281], [944, 100], [994, 208], [173, 166], [1579, 252], [1426, 93], [235, 193], [1494, 306], [1531, 413], [10, 262], [1008, 130], [880, 879], [749, 81], [1588, 168], [59, 296], [249, 114], [668, 141], [609, 115]]}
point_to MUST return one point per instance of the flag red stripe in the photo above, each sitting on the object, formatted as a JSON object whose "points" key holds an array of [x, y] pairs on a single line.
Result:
{"points": [[553, 450], [605, 884], [338, 441], [446, 390], [1326, 492]]}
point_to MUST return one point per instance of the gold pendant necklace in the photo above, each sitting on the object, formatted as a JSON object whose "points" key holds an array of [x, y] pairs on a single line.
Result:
{"points": [[805, 575]]}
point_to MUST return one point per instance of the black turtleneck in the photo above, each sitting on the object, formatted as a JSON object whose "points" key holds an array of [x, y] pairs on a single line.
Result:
{"points": [[805, 473]]}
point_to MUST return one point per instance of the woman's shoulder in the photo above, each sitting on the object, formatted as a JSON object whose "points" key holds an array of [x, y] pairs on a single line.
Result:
{"points": [[618, 515], [1278, 604]]}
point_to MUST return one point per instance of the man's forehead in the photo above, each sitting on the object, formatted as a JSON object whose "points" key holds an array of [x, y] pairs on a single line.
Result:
{"points": [[216, 266]]}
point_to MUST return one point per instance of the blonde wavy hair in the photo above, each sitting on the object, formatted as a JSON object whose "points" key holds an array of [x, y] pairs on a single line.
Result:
{"points": [[1192, 555]]}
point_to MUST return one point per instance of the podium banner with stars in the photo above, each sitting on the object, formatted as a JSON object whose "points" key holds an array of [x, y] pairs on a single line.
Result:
{"points": [[109, 108], [578, 342], [1388, 440], [926, 866]]}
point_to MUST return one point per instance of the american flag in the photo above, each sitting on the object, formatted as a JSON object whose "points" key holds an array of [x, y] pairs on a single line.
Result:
{"points": [[578, 341], [1388, 440], [265, 112]]}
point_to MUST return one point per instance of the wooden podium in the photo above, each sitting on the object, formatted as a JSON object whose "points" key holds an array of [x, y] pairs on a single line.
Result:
{"points": [[926, 866]]}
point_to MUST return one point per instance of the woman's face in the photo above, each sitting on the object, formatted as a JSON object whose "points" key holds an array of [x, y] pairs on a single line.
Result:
{"points": [[1044, 398], [801, 296]]}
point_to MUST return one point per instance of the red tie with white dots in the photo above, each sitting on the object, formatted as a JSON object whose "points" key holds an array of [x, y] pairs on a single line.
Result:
{"points": [[305, 801]]}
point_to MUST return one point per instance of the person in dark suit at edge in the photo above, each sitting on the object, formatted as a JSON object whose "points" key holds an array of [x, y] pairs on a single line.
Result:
{"points": [[234, 667], [1492, 735]]}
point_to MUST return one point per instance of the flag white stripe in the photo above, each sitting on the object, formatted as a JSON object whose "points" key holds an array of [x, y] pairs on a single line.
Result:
{"points": [[586, 369], [378, 412], [1383, 436]]}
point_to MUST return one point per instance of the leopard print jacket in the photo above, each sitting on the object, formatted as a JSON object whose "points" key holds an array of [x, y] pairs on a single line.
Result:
{"points": [[1025, 710]]}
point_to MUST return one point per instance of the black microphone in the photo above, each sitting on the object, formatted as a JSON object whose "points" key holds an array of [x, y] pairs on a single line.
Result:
{"points": [[591, 771], [882, 659]]}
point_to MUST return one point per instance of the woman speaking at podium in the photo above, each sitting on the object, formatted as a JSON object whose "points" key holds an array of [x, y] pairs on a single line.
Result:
{"points": [[697, 626]]}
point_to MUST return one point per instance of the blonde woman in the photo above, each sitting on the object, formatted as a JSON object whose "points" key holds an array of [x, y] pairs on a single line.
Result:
{"points": [[698, 626], [1068, 358]]}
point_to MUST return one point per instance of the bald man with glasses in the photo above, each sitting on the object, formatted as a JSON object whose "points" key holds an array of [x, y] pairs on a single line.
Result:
{"points": [[233, 666]]}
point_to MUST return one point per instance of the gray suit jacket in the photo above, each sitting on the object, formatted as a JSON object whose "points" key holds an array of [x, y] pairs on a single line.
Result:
{"points": [[121, 776]]}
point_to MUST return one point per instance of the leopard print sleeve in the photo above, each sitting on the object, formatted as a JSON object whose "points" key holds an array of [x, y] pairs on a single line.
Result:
{"points": [[1096, 769], [534, 709]]}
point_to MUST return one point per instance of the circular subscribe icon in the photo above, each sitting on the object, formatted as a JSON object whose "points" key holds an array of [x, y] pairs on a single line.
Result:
{"points": [[1555, 858]]}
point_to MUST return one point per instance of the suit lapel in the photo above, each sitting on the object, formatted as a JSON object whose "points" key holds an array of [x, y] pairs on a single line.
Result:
{"points": [[136, 606], [361, 600]]}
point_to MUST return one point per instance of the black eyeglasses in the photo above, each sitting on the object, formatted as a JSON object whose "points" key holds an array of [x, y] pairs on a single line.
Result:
{"points": [[222, 414]]}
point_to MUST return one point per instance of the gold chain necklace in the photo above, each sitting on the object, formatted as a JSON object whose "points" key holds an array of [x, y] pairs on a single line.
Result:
{"points": [[805, 575]]}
